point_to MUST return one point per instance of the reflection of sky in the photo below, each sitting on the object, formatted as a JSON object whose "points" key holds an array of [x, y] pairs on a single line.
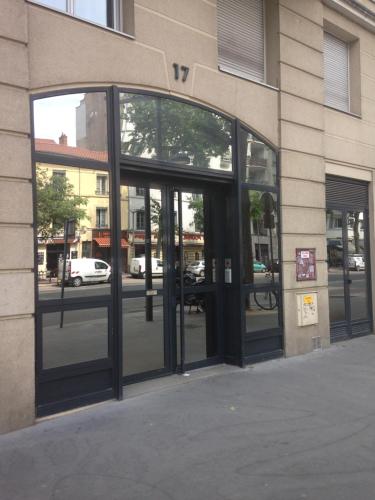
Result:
{"points": [[55, 115]]}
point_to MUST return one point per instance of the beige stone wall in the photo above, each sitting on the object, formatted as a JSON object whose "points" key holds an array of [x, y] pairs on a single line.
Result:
{"points": [[17, 386], [62, 55], [302, 163], [349, 141]]}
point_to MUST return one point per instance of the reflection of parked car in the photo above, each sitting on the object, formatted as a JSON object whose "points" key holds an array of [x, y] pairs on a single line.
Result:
{"points": [[80, 271], [138, 267], [356, 261], [196, 267], [259, 267]]}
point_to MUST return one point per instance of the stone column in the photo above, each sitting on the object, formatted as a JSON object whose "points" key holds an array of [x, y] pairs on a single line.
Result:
{"points": [[301, 123], [17, 359]]}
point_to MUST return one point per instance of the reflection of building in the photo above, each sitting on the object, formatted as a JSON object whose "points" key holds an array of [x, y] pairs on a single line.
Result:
{"points": [[134, 199], [93, 233], [355, 231], [91, 116]]}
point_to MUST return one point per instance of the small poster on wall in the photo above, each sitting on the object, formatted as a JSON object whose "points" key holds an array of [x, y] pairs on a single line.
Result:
{"points": [[305, 264]]}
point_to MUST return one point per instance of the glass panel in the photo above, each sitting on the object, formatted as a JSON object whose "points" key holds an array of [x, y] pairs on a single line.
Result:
{"points": [[138, 125], [136, 223], [261, 311], [73, 125], [164, 129], [200, 327], [195, 137], [258, 161], [335, 261], [260, 237], [82, 337], [357, 265], [56, 4], [72, 194], [143, 335], [193, 231], [93, 10]]}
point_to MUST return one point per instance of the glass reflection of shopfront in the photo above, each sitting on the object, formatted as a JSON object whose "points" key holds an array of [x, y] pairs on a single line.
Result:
{"points": [[260, 249], [347, 258], [145, 264]]}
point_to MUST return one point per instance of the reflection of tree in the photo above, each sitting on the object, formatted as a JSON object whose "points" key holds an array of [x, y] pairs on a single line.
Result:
{"points": [[157, 220], [256, 214], [175, 131], [197, 206], [356, 221], [56, 202]]}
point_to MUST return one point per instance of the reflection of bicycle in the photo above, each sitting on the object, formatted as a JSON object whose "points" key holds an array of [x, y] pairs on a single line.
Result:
{"points": [[266, 300]]}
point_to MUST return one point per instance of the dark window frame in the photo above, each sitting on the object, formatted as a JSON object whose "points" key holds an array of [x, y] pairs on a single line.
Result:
{"points": [[140, 168]]}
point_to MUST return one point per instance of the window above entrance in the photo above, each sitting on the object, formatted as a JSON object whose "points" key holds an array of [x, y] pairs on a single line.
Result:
{"points": [[161, 129]]}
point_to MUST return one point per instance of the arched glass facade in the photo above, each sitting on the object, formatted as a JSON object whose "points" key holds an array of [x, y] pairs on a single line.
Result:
{"points": [[156, 242]]}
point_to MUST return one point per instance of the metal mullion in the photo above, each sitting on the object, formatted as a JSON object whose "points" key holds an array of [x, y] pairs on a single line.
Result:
{"points": [[346, 275], [71, 161], [81, 302], [260, 187], [74, 370], [113, 128], [166, 291], [239, 232], [368, 266], [164, 167], [182, 291], [136, 294]]}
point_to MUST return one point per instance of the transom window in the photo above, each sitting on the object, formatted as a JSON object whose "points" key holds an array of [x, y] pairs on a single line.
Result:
{"points": [[162, 129]]}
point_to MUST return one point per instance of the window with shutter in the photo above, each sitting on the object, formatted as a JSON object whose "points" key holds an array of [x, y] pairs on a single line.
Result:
{"points": [[336, 72], [241, 37]]}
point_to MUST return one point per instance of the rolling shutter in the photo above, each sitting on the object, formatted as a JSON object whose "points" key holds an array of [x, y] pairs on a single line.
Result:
{"points": [[241, 37], [336, 72], [346, 193]]}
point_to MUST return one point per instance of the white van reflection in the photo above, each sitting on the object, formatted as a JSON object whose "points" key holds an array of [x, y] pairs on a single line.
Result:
{"points": [[138, 267], [356, 262], [79, 271]]}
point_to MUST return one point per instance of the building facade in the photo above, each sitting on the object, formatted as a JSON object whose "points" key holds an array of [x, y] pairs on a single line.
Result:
{"points": [[228, 145]]}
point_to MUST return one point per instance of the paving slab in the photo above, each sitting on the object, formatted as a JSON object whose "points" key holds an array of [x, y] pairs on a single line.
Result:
{"points": [[288, 429]]}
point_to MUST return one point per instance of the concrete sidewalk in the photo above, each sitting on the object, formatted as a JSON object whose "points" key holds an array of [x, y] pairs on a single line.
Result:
{"points": [[298, 428]]}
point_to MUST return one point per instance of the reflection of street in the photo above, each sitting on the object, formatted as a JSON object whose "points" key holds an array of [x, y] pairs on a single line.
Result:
{"points": [[358, 295], [49, 291], [84, 337]]}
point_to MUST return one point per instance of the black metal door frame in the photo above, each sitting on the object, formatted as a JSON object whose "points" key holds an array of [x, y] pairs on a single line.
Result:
{"points": [[169, 187], [344, 329]]}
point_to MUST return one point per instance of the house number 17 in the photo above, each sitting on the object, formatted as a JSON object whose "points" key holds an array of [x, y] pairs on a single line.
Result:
{"points": [[184, 71]]}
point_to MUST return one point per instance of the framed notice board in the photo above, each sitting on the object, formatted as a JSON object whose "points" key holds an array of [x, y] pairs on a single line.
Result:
{"points": [[305, 264]]}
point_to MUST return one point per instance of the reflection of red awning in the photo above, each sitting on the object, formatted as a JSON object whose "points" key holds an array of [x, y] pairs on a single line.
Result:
{"points": [[106, 242]]}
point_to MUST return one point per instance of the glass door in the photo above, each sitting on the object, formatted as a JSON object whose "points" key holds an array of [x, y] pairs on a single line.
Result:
{"points": [[145, 298], [169, 279], [358, 269], [196, 264], [348, 273]]}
